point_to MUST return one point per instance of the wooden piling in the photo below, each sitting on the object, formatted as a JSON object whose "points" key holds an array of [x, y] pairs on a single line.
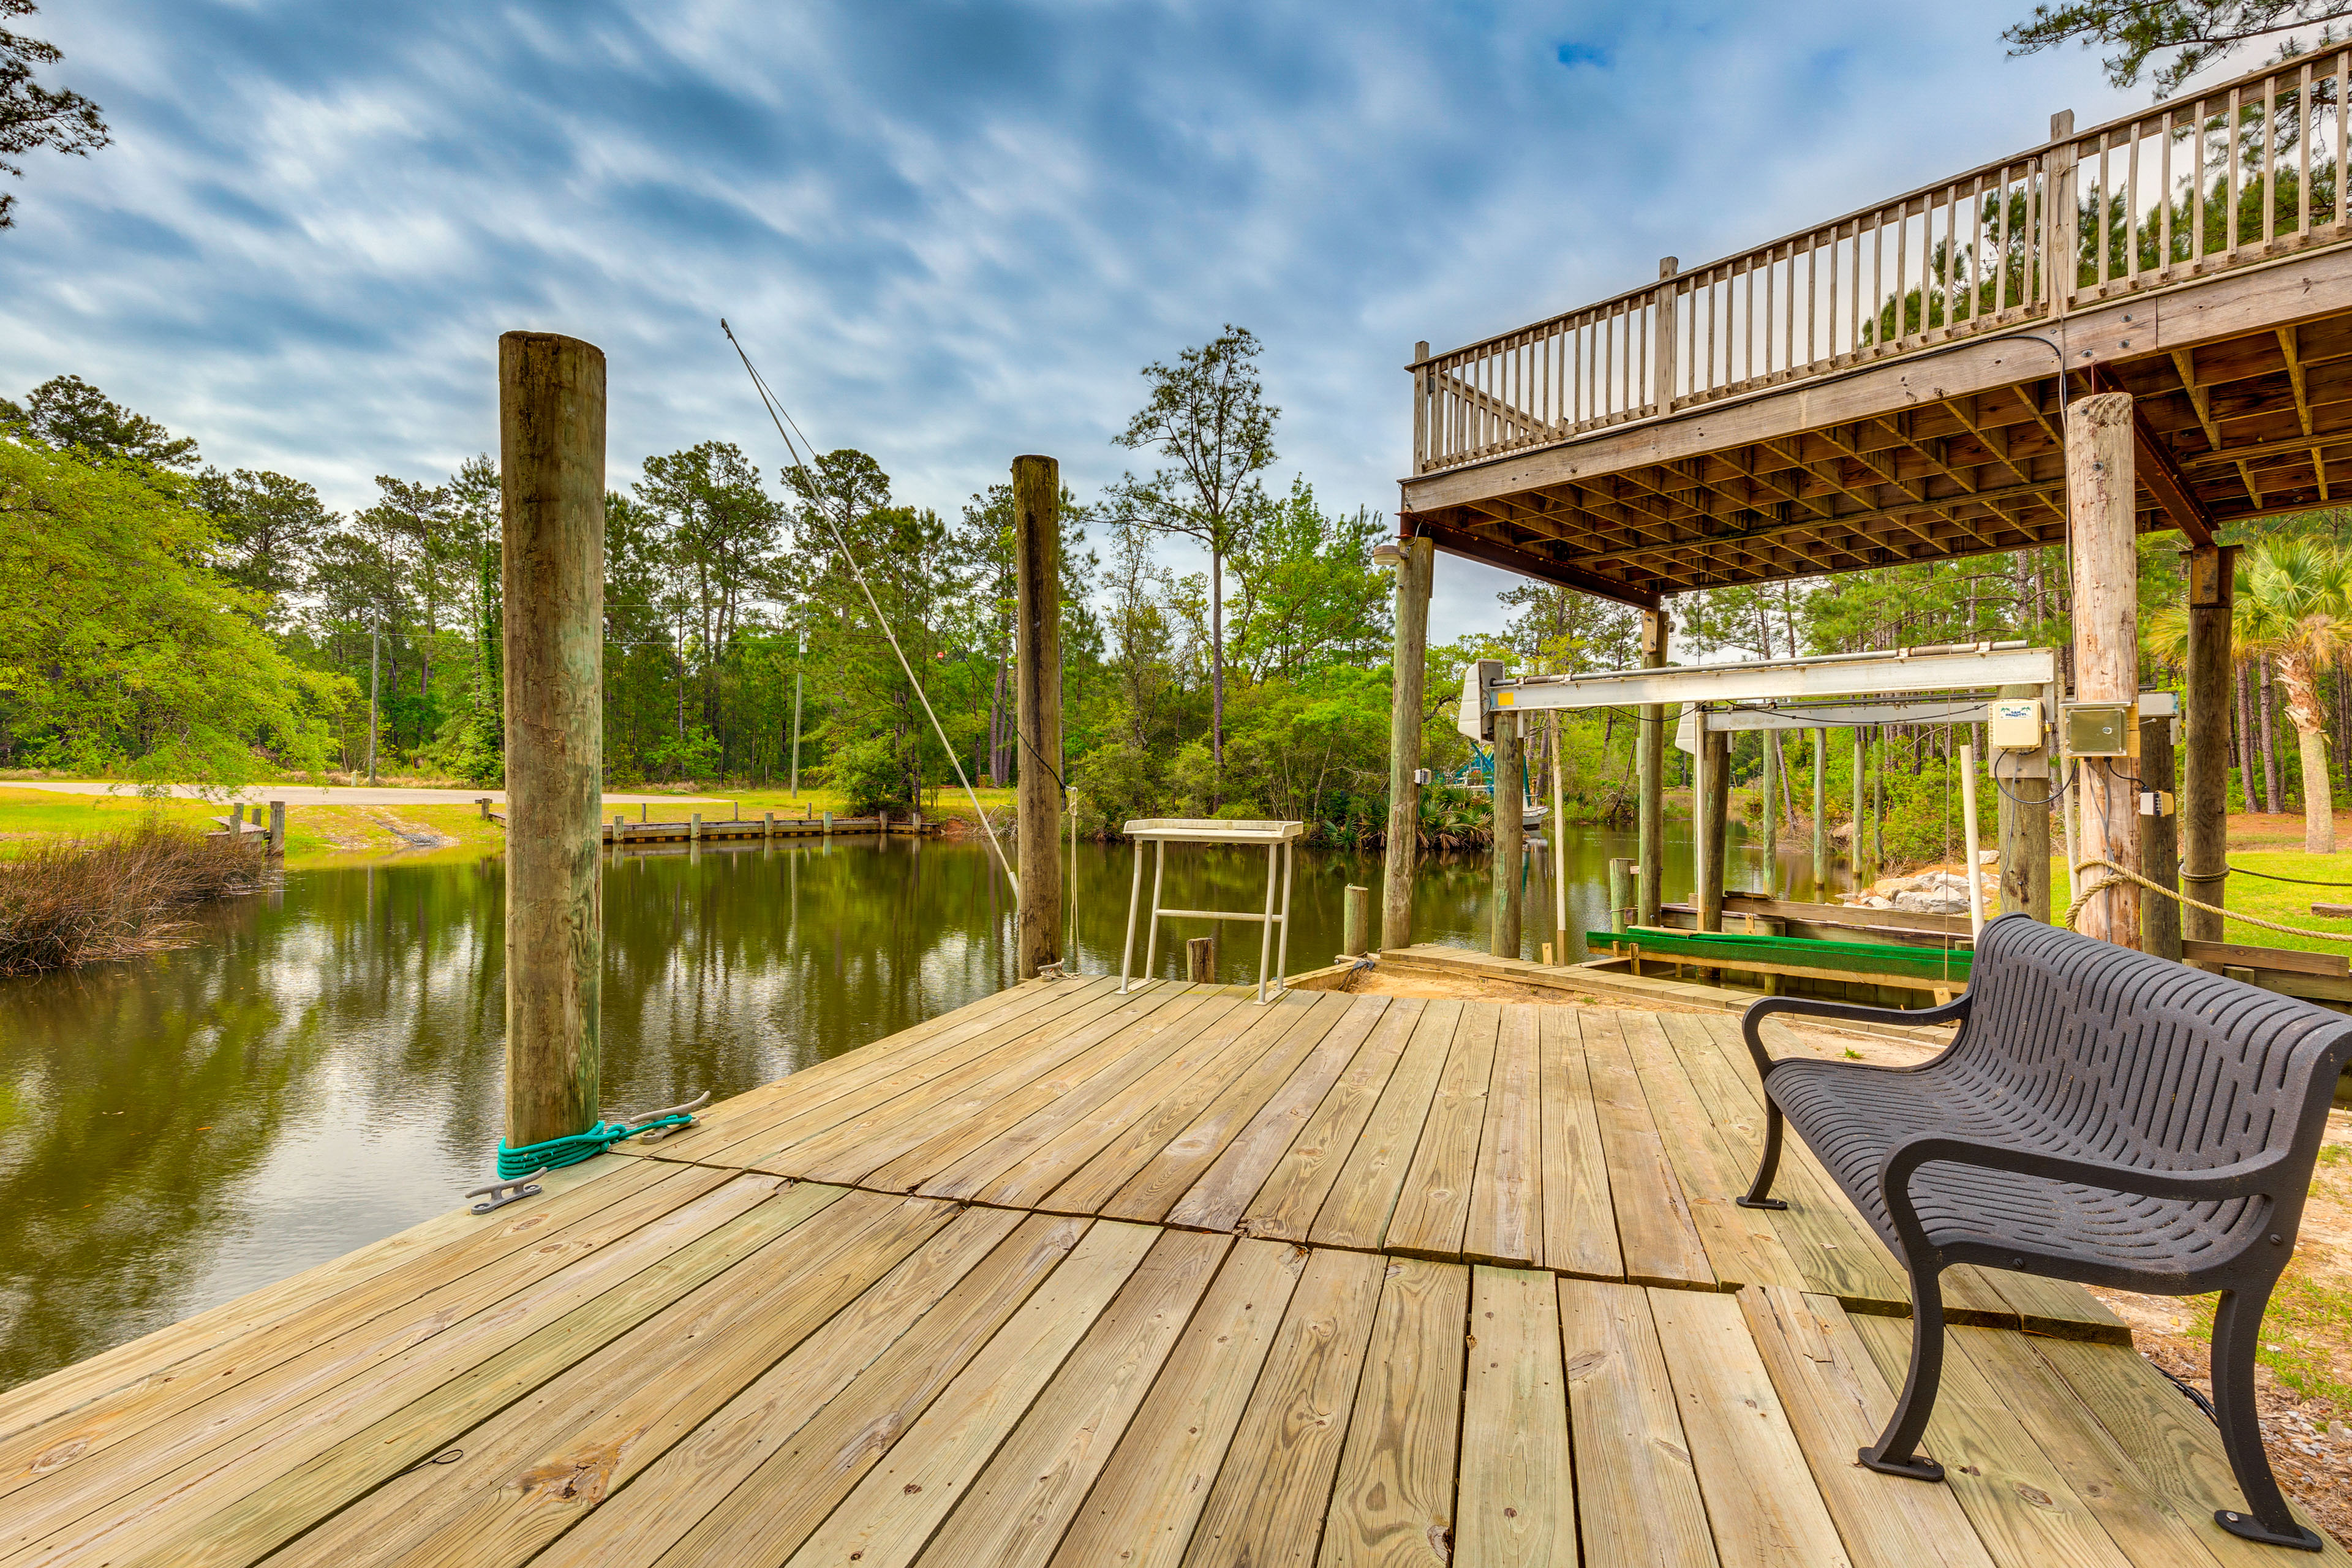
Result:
{"points": [[1507, 916], [2205, 741], [1355, 919], [1714, 825], [2159, 840], [694, 829], [278, 827], [1559, 823], [1821, 815], [551, 479], [766, 824], [1409, 671], [2025, 805], [2099, 505], [1037, 696], [1772, 888], [1650, 758], [1865, 866], [1201, 960], [1620, 894]]}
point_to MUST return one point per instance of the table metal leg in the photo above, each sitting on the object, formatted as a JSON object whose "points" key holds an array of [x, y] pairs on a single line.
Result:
{"points": [[1134, 898], [1282, 947], [1151, 933], [1266, 932]]}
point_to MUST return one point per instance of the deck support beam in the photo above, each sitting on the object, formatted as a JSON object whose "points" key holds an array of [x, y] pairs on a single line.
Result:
{"points": [[551, 468], [1037, 697], [1650, 758], [1821, 738], [1410, 662], [1510, 839], [2205, 759], [2100, 505], [1865, 866], [2024, 824]]}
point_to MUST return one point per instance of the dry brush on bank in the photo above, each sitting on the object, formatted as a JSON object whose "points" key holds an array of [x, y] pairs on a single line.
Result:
{"points": [[83, 900]]}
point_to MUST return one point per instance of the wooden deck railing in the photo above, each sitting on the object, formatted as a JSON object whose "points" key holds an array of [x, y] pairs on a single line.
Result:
{"points": [[2241, 172]]}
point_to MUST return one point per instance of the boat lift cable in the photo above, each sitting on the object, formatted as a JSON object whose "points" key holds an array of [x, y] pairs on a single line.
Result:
{"points": [[778, 416]]}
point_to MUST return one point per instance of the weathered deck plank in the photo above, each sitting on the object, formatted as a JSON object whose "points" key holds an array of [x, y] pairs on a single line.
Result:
{"points": [[691, 1358]]}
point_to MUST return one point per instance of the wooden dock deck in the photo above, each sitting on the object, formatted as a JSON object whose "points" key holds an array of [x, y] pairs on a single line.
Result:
{"points": [[1067, 1278]]}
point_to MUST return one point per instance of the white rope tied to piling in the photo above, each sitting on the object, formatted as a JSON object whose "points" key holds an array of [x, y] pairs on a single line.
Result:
{"points": [[2124, 874]]}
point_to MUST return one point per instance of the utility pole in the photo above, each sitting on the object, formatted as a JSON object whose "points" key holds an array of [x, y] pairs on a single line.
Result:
{"points": [[799, 665], [375, 664]]}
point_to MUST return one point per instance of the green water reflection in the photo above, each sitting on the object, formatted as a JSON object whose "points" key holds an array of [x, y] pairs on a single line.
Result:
{"points": [[324, 1067]]}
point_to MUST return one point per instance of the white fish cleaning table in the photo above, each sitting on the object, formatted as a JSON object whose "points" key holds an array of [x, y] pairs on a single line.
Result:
{"points": [[1280, 840]]}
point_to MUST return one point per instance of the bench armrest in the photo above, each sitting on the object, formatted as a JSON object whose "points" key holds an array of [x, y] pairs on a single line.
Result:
{"points": [[2246, 1178], [1750, 1021]]}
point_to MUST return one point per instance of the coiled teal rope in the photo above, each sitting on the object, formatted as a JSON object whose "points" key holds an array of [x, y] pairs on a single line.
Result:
{"points": [[557, 1152]]}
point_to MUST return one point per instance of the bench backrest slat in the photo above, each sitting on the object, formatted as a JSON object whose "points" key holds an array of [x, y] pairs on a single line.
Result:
{"points": [[2164, 1067]]}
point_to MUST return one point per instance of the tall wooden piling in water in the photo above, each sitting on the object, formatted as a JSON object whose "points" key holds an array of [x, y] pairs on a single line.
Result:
{"points": [[1410, 671], [1510, 839], [1650, 759], [2099, 506], [2205, 740], [1037, 693], [551, 479]]}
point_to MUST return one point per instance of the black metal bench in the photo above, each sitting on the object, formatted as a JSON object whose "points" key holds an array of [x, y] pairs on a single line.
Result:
{"points": [[2102, 1116]]}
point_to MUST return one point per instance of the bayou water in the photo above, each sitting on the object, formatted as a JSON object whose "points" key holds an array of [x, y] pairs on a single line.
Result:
{"points": [[324, 1066]]}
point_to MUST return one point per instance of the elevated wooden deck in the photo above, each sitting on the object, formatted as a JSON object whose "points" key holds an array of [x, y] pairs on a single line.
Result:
{"points": [[1067, 1277]]}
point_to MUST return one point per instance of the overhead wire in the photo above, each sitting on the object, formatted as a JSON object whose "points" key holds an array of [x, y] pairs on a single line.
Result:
{"points": [[779, 416]]}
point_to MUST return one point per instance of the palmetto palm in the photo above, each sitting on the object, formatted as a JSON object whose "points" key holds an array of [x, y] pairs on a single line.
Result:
{"points": [[2295, 606]]}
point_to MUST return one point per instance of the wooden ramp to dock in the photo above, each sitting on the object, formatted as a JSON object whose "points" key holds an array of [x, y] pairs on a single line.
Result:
{"points": [[1067, 1277]]}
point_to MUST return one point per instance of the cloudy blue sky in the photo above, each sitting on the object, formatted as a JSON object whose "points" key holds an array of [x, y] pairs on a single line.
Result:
{"points": [[948, 232]]}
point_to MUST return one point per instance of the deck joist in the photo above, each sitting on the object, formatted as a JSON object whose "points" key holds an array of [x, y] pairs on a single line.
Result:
{"points": [[1068, 1277]]}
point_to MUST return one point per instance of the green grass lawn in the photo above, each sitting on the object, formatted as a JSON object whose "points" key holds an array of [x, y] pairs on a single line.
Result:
{"points": [[2268, 844]]}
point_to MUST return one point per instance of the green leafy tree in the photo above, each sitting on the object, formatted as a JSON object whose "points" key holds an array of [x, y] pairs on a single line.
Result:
{"points": [[66, 412], [121, 648], [33, 117], [2294, 606], [1208, 416], [1310, 592], [2193, 34], [269, 525]]}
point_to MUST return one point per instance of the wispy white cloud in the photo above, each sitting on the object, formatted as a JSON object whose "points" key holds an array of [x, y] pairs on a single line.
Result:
{"points": [[951, 232]]}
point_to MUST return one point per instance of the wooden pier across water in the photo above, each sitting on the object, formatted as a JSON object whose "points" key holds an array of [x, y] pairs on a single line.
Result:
{"points": [[1070, 1278]]}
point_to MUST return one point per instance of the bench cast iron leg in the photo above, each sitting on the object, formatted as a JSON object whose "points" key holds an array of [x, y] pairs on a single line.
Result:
{"points": [[1897, 1452], [1759, 1191], [2237, 1326]]}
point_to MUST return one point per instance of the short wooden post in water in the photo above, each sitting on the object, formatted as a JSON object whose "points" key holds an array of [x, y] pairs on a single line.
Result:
{"points": [[1510, 840], [1409, 671], [766, 824], [482, 804], [2159, 840], [551, 479], [620, 829], [278, 827], [828, 822], [2205, 741], [1650, 758], [1355, 919], [2026, 802], [1037, 697], [2099, 506], [1620, 897], [694, 829], [1200, 960]]}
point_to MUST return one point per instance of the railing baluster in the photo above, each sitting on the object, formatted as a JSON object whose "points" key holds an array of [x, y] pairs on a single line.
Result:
{"points": [[2303, 143], [2164, 184], [2230, 252], [2270, 163], [2343, 82]]}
